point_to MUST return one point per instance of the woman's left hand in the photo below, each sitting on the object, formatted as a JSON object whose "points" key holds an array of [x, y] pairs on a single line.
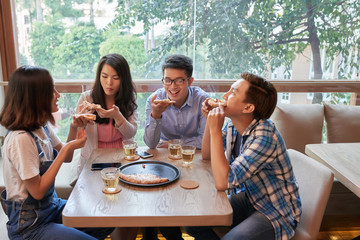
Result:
{"points": [[113, 113]]}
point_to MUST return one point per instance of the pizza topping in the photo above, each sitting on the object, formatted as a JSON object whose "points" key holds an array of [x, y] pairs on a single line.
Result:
{"points": [[215, 102], [89, 107], [143, 178], [87, 116]]}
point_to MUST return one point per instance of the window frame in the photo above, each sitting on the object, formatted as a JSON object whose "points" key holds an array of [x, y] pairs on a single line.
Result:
{"points": [[8, 41]]}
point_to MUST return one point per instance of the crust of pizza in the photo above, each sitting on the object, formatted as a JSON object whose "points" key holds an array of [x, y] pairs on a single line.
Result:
{"points": [[163, 100], [214, 102], [88, 116], [143, 178]]}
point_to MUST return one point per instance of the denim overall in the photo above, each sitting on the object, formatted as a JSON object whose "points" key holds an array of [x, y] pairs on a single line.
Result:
{"points": [[33, 219]]}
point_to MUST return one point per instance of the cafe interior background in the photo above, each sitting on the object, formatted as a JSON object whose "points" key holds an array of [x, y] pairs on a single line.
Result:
{"points": [[308, 49]]}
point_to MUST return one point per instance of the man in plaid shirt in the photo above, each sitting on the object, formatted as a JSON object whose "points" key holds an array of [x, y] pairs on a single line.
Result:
{"points": [[250, 154]]}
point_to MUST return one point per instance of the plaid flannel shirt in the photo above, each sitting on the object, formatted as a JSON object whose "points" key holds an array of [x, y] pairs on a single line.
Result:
{"points": [[263, 167]]}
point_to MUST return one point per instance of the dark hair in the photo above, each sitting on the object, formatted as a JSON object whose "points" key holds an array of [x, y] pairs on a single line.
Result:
{"points": [[178, 61], [262, 94], [125, 98], [28, 100]]}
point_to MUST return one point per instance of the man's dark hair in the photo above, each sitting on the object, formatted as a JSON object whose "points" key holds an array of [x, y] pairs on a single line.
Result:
{"points": [[262, 94], [179, 61]]}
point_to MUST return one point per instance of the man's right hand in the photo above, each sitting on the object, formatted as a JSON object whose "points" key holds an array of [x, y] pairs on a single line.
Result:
{"points": [[216, 118], [205, 109], [158, 107]]}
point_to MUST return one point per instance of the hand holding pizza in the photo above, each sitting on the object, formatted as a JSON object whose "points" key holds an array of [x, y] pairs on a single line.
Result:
{"points": [[159, 106], [210, 104], [113, 112], [216, 117], [214, 102], [81, 120], [87, 107]]}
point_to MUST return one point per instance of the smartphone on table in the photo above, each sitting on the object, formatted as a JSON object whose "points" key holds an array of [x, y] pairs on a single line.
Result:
{"points": [[144, 154], [100, 166]]}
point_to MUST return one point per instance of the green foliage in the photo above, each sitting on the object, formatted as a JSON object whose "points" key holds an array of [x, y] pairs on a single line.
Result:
{"points": [[68, 102], [249, 35], [67, 105], [45, 38], [130, 46], [141, 101], [23, 60], [64, 127], [340, 98], [78, 52], [64, 8]]}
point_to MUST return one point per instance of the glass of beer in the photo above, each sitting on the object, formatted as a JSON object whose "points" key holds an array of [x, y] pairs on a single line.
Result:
{"points": [[129, 149], [110, 177], [175, 148], [188, 153]]}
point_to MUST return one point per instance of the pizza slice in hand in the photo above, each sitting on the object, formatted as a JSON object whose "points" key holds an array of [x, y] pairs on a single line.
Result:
{"points": [[215, 102], [88, 107], [87, 116], [163, 101]]}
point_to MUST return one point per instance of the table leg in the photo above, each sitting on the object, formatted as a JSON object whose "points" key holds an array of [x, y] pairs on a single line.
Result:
{"points": [[150, 233]]}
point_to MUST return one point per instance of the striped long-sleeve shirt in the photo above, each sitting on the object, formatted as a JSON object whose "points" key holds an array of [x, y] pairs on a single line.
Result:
{"points": [[263, 167]]}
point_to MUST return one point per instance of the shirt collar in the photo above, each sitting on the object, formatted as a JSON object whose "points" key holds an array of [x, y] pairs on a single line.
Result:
{"points": [[189, 101], [252, 125], [248, 130]]}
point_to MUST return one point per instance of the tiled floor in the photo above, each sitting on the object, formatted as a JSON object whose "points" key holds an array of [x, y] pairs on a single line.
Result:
{"points": [[160, 237], [330, 235], [338, 235]]}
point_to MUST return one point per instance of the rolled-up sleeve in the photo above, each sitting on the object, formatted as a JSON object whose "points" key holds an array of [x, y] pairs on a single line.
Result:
{"points": [[129, 127]]}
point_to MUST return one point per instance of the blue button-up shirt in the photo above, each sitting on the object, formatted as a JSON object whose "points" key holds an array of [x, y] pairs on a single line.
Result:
{"points": [[263, 167], [186, 123]]}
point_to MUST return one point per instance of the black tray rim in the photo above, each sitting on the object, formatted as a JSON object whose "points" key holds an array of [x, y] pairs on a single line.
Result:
{"points": [[177, 170]]}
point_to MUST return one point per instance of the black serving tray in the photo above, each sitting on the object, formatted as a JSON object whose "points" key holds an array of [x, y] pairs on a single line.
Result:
{"points": [[160, 169]]}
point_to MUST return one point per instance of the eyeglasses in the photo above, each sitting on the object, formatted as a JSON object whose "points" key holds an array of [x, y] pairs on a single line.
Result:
{"points": [[177, 81]]}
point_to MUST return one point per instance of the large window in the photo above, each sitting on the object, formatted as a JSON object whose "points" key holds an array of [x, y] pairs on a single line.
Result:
{"points": [[224, 38], [284, 40]]}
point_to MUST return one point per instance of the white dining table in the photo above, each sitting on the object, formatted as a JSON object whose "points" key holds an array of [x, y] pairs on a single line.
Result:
{"points": [[137, 206], [342, 158]]}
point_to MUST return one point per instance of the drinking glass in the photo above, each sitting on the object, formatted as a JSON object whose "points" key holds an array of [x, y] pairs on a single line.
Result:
{"points": [[188, 153], [129, 149], [175, 148], [110, 177]]}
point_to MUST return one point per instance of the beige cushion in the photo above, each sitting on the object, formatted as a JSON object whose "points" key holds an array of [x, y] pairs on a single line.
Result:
{"points": [[342, 123], [299, 124], [3, 230], [315, 182]]}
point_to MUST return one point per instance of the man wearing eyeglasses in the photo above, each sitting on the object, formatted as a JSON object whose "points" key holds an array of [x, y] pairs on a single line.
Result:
{"points": [[181, 117]]}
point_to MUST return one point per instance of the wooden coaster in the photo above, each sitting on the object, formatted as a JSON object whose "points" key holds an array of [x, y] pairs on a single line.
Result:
{"points": [[136, 157], [117, 190], [174, 158], [189, 184]]}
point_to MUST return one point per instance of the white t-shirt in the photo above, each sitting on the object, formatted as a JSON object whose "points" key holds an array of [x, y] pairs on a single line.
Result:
{"points": [[21, 159]]}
